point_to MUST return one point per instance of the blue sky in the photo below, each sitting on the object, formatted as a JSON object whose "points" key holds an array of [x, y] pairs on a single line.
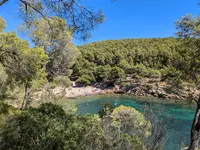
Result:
{"points": [[124, 18]]}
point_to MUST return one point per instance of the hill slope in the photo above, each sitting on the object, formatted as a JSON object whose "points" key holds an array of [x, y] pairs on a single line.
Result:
{"points": [[114, 59]]}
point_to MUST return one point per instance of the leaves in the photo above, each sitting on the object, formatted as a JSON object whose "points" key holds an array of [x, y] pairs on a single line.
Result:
{"points": [[56, 40], [2, 24], [81, 20], [50, 127]]}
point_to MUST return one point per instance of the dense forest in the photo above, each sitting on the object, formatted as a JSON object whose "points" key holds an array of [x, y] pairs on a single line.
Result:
{"points": [[54, 61], [112, 60]]}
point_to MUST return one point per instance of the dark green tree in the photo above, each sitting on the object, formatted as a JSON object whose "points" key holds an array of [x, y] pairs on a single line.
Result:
{"points": [[22, 64], [189, 28], [80, 19]]}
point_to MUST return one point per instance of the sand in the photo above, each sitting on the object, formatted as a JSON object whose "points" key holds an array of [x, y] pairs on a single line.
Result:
{"points": [[80, 91]]}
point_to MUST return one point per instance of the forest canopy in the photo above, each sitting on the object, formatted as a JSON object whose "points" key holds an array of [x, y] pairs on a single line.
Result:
{"points": [[116, 59]]}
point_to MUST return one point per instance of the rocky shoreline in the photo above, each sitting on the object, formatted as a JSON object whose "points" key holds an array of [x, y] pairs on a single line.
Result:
{"points": [[157, 88], [141, 88]]}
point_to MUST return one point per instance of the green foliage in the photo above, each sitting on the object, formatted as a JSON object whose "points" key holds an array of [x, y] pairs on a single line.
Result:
{"points": [[86, 79], [34, 58], [125, 128], [188, 29], [22, 64], [124, 65], [56, 39], [3, 82], [32, 125], [80, 19], [125, 84], [102, 73], [116, 73], [131, 121], [154, 73], [2, 24], [6, 111], [62, 81], [114, 59], [166, 58], [49, 127], [106, 109], [144, 71], [170, 72], [189, 62]]}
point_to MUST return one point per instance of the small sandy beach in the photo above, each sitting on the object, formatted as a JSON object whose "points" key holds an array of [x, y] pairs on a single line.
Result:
{"points": [[72, 92]]}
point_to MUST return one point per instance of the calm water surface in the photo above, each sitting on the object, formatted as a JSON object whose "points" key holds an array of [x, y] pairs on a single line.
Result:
{"points": [[178, 129]]}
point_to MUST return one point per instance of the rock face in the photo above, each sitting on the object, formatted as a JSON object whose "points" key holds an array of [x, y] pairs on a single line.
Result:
{"points": [[160, 89]]}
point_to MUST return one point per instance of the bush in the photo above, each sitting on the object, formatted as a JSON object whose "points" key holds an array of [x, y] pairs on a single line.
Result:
{"points": [[139, 69], [49, 127], [62, 81], [170, 72], [106, 109], [3, 81], [153, 73], [131, 121], [125, 128], [86, 79], [116, 73], [124, 65], [5, 111], [143, 71], [102, 73], [125, 84]]}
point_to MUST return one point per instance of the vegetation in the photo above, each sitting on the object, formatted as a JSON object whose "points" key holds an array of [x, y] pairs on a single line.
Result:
{"points": [[22, 65], [188, 29], [54, 59], [80, 19], [62, 81], [111, 61], [50, 127], [56, 40]]}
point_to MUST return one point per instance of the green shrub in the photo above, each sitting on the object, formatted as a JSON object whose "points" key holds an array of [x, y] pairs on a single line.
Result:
{"points": [[102, 73], [117, 73], [86, 79], [106, 109], [139, 69], [52, 85], [3, 81], [131, 121], [49, 127], [125, 84], [153, 73], [124, 65], [170, 72], [62, 81], [5, 111], [143, 71]]}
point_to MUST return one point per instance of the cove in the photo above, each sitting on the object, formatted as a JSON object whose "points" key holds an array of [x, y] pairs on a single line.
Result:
{"points": [[177, 115]]}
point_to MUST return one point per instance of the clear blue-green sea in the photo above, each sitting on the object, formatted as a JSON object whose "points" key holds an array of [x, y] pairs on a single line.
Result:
{"points": [[177, 115]]}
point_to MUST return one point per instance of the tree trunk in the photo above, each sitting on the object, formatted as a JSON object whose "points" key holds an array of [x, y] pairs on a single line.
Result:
{"points": [[26, 97], [195, 131]]}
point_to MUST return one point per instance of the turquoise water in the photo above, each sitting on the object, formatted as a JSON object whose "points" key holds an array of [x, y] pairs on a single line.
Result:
{"points": [[177, 116]]}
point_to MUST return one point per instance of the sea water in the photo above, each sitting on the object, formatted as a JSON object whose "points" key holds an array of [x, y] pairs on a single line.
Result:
{"points": [[176, 115]]}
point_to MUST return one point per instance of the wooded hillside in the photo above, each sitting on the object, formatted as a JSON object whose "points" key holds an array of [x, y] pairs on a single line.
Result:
{"points": [[115, 59]]}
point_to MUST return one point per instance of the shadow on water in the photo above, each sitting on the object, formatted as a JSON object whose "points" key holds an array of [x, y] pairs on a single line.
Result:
{"points": [[178, 127]]}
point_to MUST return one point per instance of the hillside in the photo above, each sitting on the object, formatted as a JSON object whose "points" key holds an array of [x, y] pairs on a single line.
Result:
{"points": [[113, 59], [157, 64]]}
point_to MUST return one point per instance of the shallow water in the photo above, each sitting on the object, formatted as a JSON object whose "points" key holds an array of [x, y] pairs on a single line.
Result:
{"points": [[178, 129]]}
